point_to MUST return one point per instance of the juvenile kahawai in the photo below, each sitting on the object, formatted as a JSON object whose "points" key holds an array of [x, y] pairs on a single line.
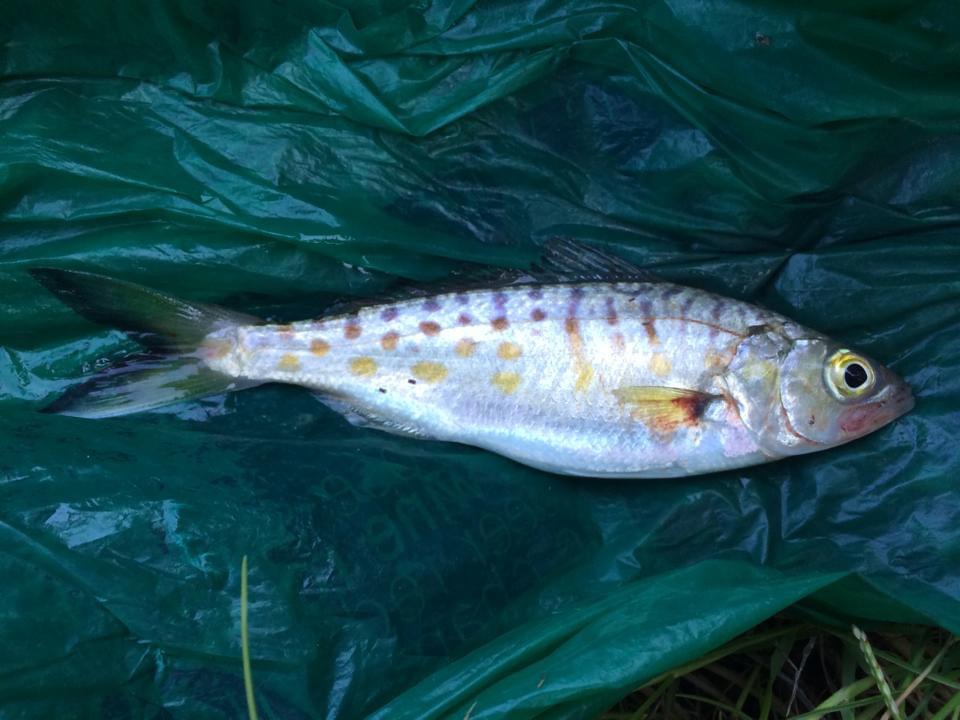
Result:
{"points": [[592, 369]]}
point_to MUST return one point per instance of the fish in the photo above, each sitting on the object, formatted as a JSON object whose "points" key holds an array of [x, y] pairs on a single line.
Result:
{"points": [[589, 368]]}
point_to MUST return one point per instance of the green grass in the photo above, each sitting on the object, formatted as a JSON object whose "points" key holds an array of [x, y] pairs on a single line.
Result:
{"points": [[790, 669], [783, 669]]}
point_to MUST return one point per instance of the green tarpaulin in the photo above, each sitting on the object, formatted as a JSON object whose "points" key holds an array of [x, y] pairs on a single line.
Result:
{"points": [[279, 157]]}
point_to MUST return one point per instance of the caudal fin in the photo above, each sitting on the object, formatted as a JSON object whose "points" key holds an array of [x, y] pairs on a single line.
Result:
{"points": [[170, 329]]}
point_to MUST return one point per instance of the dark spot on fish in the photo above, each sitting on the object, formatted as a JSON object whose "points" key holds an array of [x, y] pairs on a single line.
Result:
{"points": [[671, 291], [717, 310], [411, 381], [464, 319], [431, 305], [389, 314], [499, 300], [612, 318], [538, 315], [646, 308], [651, 330], [500, 323], [351, 331], [383, 390], [812, 420], [428, 327], [576, 294], [715, 315], [535, 294], [687, 307], [462, 298]]}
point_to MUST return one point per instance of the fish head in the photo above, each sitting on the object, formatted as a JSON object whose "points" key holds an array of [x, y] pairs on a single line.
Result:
{"points": [[799, 394]]}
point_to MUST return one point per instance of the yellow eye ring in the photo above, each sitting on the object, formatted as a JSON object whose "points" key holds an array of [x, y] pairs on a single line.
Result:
{"points": [[849, 375]]}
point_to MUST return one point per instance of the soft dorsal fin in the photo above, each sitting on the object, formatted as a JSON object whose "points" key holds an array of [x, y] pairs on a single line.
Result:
{"points": [[564, 260], [561, 260], [664, 409]]}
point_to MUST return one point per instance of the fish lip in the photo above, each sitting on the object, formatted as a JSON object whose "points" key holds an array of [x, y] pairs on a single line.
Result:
{"points": [[894, 402]]}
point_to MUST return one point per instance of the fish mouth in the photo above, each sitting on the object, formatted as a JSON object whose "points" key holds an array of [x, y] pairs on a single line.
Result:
{"points": [[895, 401]]}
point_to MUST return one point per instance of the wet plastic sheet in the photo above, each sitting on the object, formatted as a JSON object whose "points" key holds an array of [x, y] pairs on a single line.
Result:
{"points": [[278, 157]]}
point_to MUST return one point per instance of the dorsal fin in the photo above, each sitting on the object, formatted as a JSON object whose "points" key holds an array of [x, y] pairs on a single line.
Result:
{"points": [[561, 260], [565, 260]]}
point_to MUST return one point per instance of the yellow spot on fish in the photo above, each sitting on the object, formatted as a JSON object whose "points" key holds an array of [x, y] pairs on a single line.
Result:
{"points": [[465, 347], [584, 376], [319, 347], [289, 363], [509, 351], [429, 371], [714, 360], [389, 340], [508, 382], [363, 366], [659, 365]]}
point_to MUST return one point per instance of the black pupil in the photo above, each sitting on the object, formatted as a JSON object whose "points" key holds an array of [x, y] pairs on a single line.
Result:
{"points": [[854, 376]]}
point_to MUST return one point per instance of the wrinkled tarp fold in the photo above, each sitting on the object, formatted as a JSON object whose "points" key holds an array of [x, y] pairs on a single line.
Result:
{"points": [[280, 157]]}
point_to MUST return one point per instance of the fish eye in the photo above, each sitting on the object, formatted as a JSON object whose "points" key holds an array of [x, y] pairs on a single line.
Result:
{"points": [[849, 376]]}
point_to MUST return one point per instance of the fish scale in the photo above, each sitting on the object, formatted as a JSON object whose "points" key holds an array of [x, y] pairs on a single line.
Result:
{"points": [[539, 381]]}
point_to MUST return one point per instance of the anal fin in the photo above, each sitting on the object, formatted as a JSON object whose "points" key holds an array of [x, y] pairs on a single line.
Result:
{"points": [[367, 418]]}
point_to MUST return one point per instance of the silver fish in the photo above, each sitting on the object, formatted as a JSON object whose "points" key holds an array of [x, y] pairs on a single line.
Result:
{"points": [[626, 379]]}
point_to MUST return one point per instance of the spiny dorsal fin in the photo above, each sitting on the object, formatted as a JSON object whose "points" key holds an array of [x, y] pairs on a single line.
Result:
{"points": [[664, 409], [561, 260], [564, 260]]}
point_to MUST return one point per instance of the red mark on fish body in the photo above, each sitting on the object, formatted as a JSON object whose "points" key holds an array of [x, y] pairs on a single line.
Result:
{"points": [[428, 327], [612, 318], [501, 323], [859, 420], [538, 315], [651, 331], [464, 319], [619, 344], [389, 341], [351, 331]]}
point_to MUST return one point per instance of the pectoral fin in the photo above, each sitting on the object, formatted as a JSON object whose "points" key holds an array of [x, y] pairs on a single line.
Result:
{"points": [[664, 409]]}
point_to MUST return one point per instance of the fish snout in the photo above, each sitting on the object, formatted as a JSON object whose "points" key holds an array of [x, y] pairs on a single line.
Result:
{"points": [[892, 402]]}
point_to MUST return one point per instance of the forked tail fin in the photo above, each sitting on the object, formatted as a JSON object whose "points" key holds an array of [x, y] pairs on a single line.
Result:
{"points": [[172, 331]]}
